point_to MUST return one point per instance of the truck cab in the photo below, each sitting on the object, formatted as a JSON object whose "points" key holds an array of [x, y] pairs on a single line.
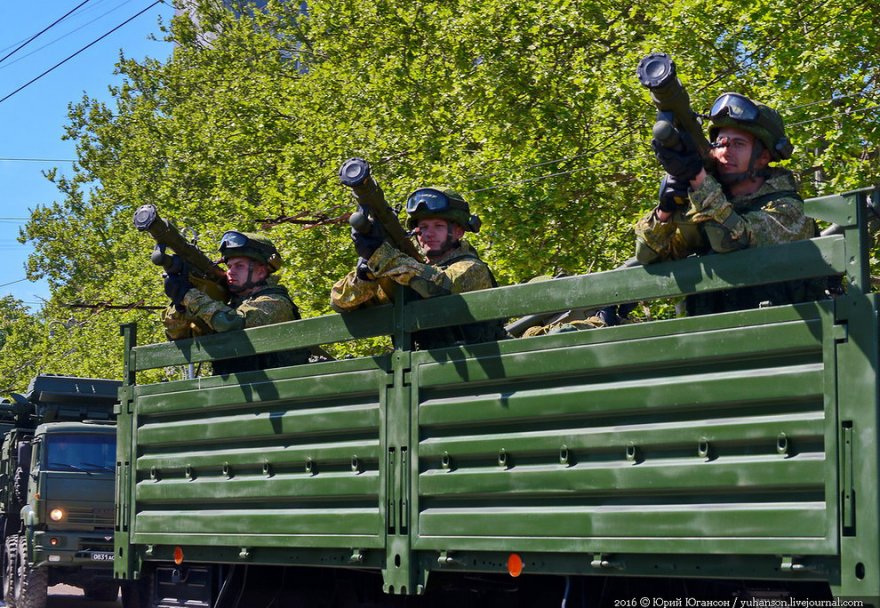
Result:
{"points": [[57, 489]]}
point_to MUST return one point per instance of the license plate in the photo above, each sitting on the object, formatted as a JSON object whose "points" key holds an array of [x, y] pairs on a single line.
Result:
{"points": [[103, 556]]}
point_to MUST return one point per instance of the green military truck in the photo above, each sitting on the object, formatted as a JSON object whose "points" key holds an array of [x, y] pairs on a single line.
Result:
{"points": [[717, 458], [56, 489]]}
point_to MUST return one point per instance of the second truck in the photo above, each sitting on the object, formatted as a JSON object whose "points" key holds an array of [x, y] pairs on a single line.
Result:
{"points": [[57, 468]]}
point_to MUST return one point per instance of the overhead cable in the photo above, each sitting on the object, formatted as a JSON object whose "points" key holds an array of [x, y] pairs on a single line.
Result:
{"points": [[63, 61], [41, 32]]}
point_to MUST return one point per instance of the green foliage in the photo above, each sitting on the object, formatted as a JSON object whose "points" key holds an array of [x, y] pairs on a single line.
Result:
{"points": [[531, 110]]}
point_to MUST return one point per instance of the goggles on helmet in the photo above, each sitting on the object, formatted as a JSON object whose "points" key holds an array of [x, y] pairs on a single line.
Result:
{"points": [[735, 106], [233, 240], [427, 199]]}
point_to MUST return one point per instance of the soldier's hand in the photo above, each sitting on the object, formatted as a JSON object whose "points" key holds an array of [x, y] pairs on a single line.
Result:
{"points": [[682, 162], [367, 243], [363, 271], [176, 286], [673, 194], [609, 316]]}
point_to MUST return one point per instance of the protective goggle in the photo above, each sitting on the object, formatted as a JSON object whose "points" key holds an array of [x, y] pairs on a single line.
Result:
{"points": [[233, 240], [427, 199], [735, 106]]}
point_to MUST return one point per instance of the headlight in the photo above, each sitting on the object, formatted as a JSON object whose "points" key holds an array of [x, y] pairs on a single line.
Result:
{"points": [[56, 514]]}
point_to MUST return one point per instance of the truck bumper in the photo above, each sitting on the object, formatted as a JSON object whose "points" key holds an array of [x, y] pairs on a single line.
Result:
{"points": [[93, 550]]}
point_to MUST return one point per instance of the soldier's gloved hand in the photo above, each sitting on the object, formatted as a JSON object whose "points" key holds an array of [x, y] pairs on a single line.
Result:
{"points": [[682, 162], [673, 194], [363, 271], [608, 315], [176, 286], [367, 244]]}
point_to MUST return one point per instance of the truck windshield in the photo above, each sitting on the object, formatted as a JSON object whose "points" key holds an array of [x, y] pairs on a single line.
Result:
{"points": [[80, 452]]}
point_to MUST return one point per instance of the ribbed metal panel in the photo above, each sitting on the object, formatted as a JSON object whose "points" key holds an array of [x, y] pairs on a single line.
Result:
{"points": [[291, 461], [97, 518], [675, 438]]}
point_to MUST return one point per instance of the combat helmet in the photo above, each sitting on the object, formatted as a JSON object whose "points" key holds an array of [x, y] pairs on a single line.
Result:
{"points": [[443, 203], [765, 123], [250, 245]]}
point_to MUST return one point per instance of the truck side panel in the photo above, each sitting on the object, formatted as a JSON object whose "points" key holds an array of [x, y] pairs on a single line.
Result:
{"points": [[292, 461], [670, 437]]}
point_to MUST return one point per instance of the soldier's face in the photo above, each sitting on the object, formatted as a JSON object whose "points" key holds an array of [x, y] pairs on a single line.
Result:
{"points": [[237, 270], [735, 151], [433, 233]]}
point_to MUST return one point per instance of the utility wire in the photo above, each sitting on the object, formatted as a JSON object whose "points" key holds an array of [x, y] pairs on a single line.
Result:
{"points": [[63, 61], [13, 282], [848, 112], [41, 32], [37, 160], [63, 36]]}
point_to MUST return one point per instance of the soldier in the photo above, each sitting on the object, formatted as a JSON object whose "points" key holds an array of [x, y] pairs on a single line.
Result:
{"points": [[743, 203], [250, 260], [439, 218]]}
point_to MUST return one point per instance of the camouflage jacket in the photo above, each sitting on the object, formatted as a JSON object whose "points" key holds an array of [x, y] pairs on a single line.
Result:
{"points": [[447, 275], [713, 222], [202, 314]]}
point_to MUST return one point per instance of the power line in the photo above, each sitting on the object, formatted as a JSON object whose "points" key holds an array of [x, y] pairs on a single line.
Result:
{"points": [[37, 160], [63, 36], [63, 61], [41, 32], [848, 112], [14, 282]]}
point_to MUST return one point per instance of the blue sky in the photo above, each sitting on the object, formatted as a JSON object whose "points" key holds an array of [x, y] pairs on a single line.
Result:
{"points": [[33, 119]]}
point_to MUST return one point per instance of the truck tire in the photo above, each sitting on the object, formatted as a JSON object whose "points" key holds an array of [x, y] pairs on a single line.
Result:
{"points": [[102, 592], [31, 584], [19, 488], [10, 565]]}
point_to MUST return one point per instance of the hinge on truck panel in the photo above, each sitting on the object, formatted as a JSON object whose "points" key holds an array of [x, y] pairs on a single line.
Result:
{"points": [[391, 491], [445, 559], [403, 501], [790, 564], [840, 332], [847, 506]]}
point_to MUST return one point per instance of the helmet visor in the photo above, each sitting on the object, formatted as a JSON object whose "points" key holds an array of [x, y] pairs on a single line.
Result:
{"points": [[735, 106], [427, 199], [232, 240]]}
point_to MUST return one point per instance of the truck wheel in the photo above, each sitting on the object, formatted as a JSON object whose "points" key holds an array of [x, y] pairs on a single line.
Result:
{"points": [[102, 592], [31, 584], [10, 565], [19, 486]]}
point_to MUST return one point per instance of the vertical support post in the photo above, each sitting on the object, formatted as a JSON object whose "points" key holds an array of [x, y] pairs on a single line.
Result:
{"points": [[400, 573], [125, 563], [858, 417]]}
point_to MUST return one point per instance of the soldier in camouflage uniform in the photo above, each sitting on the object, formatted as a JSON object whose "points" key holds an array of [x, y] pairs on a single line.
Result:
{"points": [[743, 203], [439, 218], [255, 300]]}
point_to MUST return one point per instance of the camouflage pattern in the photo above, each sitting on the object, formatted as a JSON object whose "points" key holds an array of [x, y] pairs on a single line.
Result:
{"points": [[718, 223], [428, 280], [268, 304], [676, 239], [258, 247], [559, 328], [459, 210]]}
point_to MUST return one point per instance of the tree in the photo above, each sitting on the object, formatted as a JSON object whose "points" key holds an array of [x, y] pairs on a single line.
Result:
{"points": [[532, 110]]}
